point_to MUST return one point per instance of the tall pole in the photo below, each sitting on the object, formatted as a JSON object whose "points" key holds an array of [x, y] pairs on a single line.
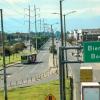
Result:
{"points": [[35, 27], [29, 29], [61, 23], [4, 65], [61, 66], [40, 25], [53, 44], [65, 45], [44, 26]]}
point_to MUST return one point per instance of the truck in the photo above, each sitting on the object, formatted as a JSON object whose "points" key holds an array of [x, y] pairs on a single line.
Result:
{"points": [[90, 91]]}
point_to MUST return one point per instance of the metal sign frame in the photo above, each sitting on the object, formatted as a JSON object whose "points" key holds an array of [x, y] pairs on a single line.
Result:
{"points": [[62, 61]]}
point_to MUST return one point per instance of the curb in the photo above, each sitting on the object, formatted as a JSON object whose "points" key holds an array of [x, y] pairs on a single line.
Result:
{"points": [[9, 65]]}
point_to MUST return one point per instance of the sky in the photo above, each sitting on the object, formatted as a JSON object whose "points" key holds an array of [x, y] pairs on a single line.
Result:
{"points": [[15, 14]]}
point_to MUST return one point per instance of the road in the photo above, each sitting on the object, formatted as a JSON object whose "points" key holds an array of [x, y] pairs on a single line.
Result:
{"points": [[21, 72]]}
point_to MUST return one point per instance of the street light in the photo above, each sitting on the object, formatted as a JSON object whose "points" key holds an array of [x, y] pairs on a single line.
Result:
{"points": [[61, 66], [4, 65], [65, 38], [65, 35], [64, 21], [52, 39]]}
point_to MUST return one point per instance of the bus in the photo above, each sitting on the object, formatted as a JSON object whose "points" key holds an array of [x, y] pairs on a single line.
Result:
{"points": [[28, 58]]}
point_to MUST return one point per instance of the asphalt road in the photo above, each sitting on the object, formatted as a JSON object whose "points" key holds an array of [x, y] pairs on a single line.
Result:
{"points": [[23, 72]]}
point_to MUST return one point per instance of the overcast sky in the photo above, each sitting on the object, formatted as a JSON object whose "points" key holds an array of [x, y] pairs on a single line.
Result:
{"points": [[87, 14]]}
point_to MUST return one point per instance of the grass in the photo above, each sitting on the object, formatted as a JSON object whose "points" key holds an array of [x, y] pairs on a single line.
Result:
{"points": [[37, 92], [14, 58]]}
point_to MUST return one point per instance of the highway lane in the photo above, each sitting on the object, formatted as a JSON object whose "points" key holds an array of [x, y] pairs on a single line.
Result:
{"points": [[22, 72], [74, 68]]}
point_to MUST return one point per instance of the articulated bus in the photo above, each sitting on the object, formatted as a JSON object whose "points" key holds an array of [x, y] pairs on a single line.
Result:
{"points": [[28, 58]]}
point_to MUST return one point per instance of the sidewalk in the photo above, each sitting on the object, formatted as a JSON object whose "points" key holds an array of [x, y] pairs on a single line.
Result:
{"points": [[53, 68]]}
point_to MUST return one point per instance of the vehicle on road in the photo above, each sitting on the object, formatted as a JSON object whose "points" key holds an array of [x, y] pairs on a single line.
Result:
{"points": [[29, 58]]}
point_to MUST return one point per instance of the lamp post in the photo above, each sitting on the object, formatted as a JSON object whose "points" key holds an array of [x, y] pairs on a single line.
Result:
{"points": [[53, 41], [61, 66], [52, 44], [66, 40], [52, 35], [64, 35], [4, 65]]}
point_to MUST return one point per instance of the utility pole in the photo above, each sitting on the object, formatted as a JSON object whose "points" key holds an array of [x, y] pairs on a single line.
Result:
{"points": [[52, 44], [4, 65], [61, 66], [29, 25], [35, 27], [40, 25], [29, 29], [43, 26], [65, 45]]}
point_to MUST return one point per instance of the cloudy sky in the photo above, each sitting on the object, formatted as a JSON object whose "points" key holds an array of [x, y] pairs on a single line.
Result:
{"points": [[15, 13]]}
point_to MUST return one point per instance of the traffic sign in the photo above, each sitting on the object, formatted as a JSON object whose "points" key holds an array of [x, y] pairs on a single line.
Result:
{"points": [[50, 97], [86, 74], [91, 51]]}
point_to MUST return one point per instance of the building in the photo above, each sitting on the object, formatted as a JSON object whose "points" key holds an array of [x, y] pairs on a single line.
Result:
{"points": [[88, 35]]}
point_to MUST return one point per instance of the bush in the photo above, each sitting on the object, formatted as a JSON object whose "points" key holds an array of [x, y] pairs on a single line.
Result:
{"points": [[19, 47]]}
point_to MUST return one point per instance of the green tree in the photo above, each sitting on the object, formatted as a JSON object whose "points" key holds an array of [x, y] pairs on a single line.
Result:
{"points": [[18, 47]]}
